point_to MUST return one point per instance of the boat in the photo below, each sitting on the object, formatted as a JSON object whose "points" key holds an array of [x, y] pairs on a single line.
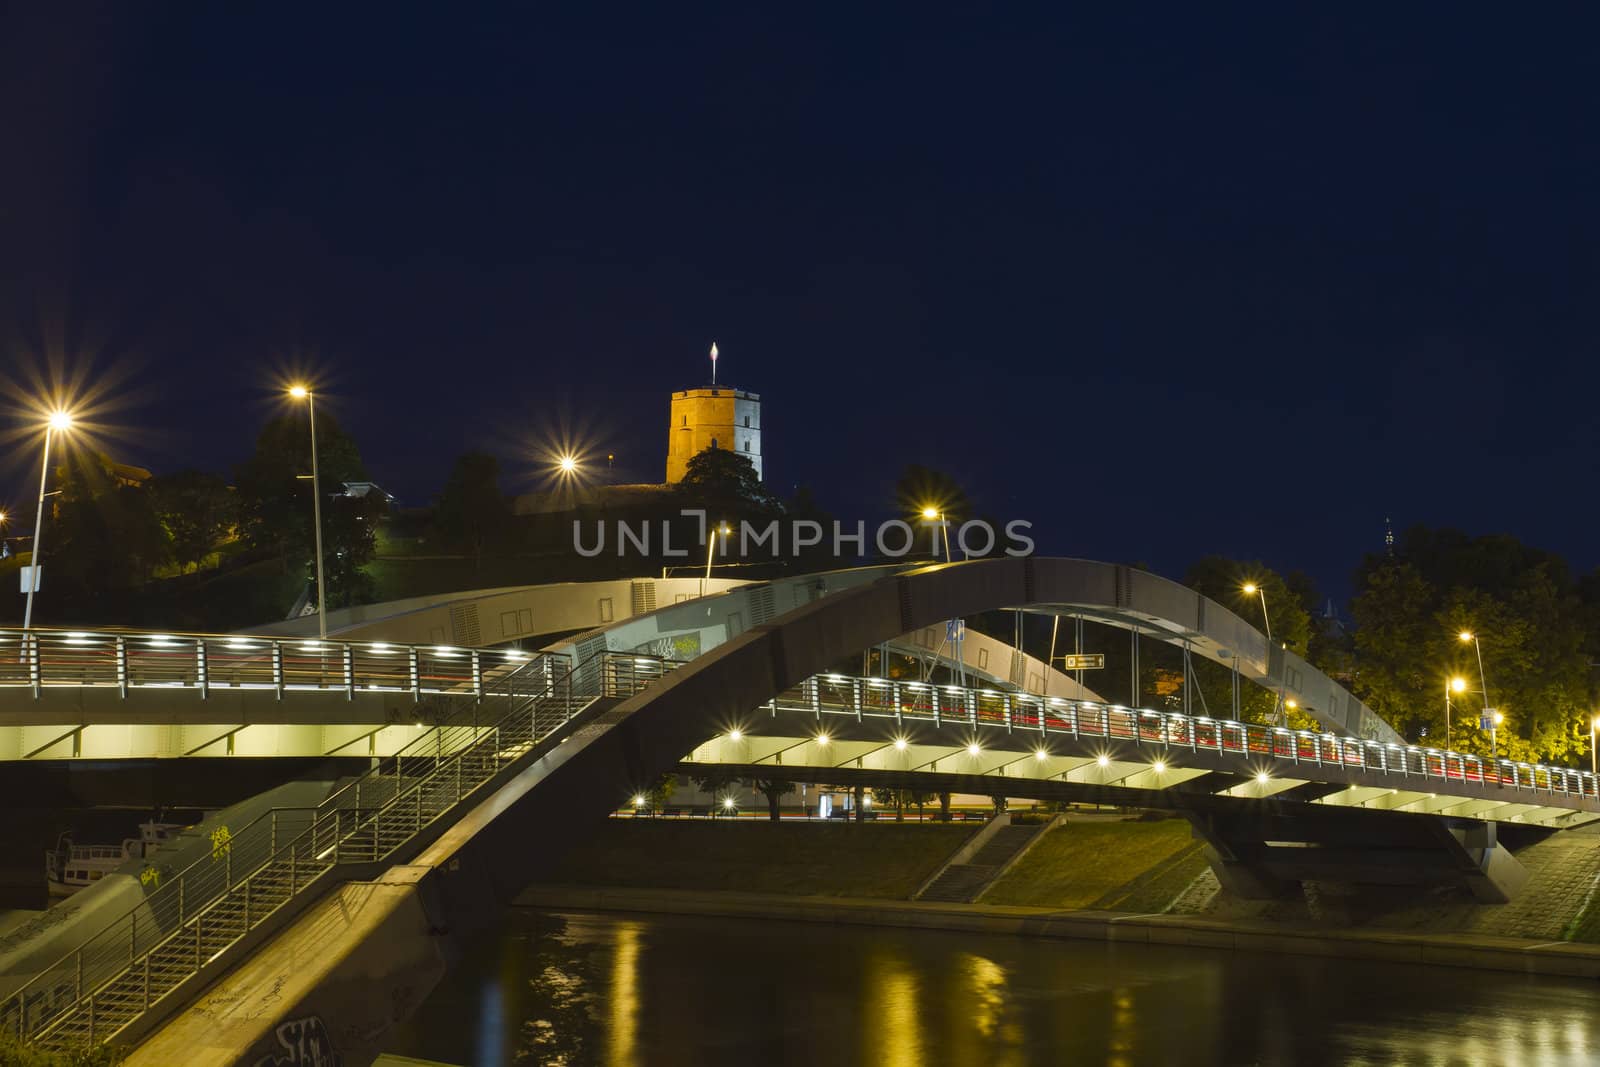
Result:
{"points": [[70, 867]]}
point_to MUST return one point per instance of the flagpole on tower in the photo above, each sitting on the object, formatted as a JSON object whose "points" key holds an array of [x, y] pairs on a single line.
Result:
{"points": [[713, 363]]}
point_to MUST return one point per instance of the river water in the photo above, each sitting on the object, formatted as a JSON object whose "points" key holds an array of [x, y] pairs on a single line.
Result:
{"points": [[647, 989]]}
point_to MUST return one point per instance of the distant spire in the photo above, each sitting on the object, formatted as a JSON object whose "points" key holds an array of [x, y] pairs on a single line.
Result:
{"points": [[1388, 536]]}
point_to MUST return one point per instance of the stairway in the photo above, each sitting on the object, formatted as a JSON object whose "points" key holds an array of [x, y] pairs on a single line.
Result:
{"points": [[962, 883]]}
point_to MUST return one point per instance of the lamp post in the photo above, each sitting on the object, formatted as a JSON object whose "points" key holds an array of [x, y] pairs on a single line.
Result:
{"points": [[59, 422], [1468, 635], [1594, 728], [300, 392], [1252, 589], [1454, 685], [932, 513], [711, 546]]}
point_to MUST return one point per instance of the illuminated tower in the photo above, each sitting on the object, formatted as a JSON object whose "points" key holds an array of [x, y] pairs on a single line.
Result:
{"points": [[715, 416]]}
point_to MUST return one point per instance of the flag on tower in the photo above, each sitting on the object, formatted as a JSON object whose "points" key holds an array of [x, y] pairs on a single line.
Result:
{"points": [[713, 363]]}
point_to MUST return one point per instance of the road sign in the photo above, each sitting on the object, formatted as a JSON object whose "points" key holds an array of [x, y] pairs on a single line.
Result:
{"points": [[1086, 661], [30, 575], [1487, 721]]}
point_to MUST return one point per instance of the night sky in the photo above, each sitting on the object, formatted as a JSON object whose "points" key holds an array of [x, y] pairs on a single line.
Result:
{"points": [[1166, 283]]}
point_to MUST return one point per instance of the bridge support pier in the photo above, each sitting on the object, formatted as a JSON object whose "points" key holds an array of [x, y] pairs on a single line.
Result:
{"points": [[1267, 855]]}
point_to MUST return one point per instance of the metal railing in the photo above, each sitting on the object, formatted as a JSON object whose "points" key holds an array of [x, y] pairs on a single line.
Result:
{"points": [[41, 660], [944, 705], [193, 916]]}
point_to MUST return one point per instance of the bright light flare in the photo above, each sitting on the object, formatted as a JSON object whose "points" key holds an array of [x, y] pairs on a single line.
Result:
{"points": [[1249, 588], [567, 464], [822, 739], [60, 421], [638, 801], [1104, 761], [900, 742], [1159, 766], [973, 749], [1465, 635], [930, 513], [1458, 685], [735, 735], [1262, 778], [727, 803], [299, 392]]}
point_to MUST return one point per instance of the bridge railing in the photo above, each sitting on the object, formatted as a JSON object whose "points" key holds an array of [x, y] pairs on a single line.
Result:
{"points": [[943, 705], [194, 914], [41, 660]]}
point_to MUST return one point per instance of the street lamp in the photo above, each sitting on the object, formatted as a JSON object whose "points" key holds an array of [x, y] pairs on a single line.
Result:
{"points": [[711, 548], [568, 464], [58, 422], [301, 392], [1252, 589], [930, 513], [1468, 635], [1594, 727], [1457, 684]]}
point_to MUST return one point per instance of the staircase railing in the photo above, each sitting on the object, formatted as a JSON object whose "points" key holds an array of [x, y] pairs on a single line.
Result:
{"points": [[191, 918]]}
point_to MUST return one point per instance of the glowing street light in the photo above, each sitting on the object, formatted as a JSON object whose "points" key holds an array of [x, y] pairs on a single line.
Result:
{"points": [[711, 548], [567, 464], [1457, 684], [302, 392], [59, 421]]}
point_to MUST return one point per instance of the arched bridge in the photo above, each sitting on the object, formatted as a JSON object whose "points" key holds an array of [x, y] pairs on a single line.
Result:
{"points": [[464, 815]]}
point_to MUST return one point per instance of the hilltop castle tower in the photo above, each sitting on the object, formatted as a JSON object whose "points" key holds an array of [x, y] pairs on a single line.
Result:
{"points": [[715, 416]]}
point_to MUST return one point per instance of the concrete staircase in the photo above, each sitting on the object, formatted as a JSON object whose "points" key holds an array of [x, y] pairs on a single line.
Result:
{"points": [[965, 877]]}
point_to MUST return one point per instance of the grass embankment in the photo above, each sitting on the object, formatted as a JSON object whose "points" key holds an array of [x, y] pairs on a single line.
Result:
{"points": [[1117, 866], [885, 860]]}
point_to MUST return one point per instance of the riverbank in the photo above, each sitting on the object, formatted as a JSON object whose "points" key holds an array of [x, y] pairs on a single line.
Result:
{"points": [[1557, 959]]}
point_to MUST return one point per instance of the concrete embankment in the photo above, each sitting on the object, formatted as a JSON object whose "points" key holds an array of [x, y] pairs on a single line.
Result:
{"points": [[1560, 958]]}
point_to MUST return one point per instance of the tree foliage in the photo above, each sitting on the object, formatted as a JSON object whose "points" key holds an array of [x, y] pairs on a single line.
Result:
{"points": [[472, 513], [1224, 580], [104, 535], [1524, 608], [275, 503], [774, 789], [198, 511], [726, 485]]}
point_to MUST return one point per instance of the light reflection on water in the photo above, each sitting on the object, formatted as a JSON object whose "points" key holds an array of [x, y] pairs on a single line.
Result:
{"points": [[621, 990]]}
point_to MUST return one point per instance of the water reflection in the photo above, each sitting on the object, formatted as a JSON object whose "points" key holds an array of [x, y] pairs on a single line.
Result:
{"points": [[622, 990], [894, 1005]]}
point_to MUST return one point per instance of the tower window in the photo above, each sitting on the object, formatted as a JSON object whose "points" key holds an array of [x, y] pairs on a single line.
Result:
{"points": [[685, 421], [713, 442], [747, 422], [747, 444]]}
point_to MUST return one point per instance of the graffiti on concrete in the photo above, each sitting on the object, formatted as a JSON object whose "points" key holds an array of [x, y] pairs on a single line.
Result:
{"points": [[302, 1042]]}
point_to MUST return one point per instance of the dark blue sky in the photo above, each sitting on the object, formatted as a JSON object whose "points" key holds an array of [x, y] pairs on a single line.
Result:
{"points": [[1166, 283]]}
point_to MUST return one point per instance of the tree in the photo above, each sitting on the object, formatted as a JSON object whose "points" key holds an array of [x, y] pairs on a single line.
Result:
{"points": [[1224, 580], [921, 489], [198, 511], [726, 485], [275, 505], [772, 789], [659, 794], [472, 513], [1524, 610], [713, 781], [107, 535]]}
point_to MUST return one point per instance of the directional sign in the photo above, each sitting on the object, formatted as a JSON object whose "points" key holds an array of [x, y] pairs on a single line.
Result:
{"points": [[1087, 661], [1486, 722]]}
